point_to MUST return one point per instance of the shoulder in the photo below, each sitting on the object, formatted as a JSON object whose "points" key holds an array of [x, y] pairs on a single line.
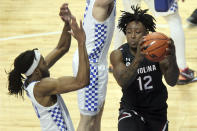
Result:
{"points": [[44, 85], [116, 56], [119, 52], [116, 53], [124, 46], [124, 49]]}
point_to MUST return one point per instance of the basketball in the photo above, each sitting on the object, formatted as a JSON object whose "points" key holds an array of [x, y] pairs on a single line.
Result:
{"points": [[155, 46]]}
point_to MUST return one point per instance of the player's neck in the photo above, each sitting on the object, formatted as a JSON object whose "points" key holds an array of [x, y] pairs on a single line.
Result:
{"points": [[33, 78]]}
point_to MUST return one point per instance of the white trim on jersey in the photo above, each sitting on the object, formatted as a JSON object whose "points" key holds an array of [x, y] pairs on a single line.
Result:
{"points": [[165, 126]]}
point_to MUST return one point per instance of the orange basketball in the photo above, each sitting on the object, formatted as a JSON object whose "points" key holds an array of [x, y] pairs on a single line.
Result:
{"points": [[155, 46]]}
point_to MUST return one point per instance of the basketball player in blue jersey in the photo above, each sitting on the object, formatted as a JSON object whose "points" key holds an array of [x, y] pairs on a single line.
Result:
{"points": [[99, 21], [43, 91], [143, 105]]}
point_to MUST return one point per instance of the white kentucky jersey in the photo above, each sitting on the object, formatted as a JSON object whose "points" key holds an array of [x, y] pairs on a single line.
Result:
{"points": [[53, 118], [98, 34], [98, 39]]}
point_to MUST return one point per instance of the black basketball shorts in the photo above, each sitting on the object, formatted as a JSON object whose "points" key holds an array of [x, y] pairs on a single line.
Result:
{"points": [[132, 121]]}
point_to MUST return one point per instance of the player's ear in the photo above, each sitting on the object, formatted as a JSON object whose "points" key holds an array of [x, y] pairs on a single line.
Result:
{"points": [[38, 72]]}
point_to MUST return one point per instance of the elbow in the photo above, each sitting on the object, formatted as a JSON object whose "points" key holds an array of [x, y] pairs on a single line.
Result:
{"points": [[87, 81], [122, 84], [65, 50], [172, 79], [87, 78], [172, 83], [84, 82], [125, 86]]}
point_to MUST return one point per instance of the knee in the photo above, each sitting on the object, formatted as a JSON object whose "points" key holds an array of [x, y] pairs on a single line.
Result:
{"points": [[92, 123], [89, 120]]}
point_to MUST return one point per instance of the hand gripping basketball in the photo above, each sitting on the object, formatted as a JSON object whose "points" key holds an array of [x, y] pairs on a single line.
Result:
{"points": [[155, 46]]}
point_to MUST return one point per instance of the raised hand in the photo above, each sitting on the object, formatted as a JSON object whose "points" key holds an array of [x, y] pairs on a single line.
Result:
{"points": [[77, 32], [65, 13]]}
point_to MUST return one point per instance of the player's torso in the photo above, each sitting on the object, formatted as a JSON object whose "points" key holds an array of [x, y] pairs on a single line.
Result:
{"points": [[147, 90], [98, 34], [51, 118]]}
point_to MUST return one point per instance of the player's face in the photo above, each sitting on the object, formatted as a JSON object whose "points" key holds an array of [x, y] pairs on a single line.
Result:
{"points": [[43, 68], [134, 32]]}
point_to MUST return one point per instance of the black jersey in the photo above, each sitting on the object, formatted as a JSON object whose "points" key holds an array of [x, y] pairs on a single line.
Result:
{"points": [[146, 93]]}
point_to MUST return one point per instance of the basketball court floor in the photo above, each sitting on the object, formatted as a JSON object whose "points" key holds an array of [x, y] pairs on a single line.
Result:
{"points": [[28, 24]]}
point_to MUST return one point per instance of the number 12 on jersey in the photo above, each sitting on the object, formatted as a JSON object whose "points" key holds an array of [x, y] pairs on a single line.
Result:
{"points": [[144, 82]]}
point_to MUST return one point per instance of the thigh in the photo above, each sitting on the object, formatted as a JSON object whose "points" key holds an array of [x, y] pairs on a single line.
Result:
{"points": [[130, 122]]}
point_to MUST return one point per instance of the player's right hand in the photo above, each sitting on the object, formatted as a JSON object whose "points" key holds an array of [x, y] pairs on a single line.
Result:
{"points": [[77, 32]]}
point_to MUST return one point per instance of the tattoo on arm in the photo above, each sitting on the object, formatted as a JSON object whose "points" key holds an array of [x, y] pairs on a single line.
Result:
{"points": [[128, 75]]}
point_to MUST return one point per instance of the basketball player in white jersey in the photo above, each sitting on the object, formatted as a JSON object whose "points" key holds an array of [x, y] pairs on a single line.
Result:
{"points": [[99, 22], [43, 91], [173, 19]]}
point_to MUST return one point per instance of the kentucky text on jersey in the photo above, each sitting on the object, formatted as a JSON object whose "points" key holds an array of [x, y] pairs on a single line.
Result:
{"points": [[146, 69]]}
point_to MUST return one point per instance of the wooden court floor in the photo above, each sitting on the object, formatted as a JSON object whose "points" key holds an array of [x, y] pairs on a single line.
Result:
{"points": [[27, 24]]}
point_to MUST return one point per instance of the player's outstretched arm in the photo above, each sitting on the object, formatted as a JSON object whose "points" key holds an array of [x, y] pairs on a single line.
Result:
{"points": [[79, 34], [65, 39], [169, 65], [49, 86]]}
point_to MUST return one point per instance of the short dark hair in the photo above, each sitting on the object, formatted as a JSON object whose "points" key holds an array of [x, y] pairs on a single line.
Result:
{"points": [[138, 15], [21, 64]]}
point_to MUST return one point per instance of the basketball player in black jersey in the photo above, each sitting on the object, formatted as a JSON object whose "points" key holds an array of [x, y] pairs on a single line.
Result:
{"points": [[143, 105]]}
